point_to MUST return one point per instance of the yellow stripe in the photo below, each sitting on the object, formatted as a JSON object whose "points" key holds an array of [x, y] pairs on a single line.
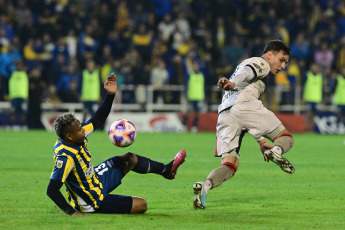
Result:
{"points": [[89, 180], [72, 200], [94, 188], [69, 166], [81, 184], [85, 154], [88, 129]]}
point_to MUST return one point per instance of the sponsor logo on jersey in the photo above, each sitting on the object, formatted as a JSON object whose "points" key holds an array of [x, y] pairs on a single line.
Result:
{"points": [[230, 93], [262, 64], [89, 171], [258, 67], [59, 164]]}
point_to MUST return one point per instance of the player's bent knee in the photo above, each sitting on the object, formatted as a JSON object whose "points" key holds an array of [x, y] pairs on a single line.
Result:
{"points": [[139, 205], [129, 160]]}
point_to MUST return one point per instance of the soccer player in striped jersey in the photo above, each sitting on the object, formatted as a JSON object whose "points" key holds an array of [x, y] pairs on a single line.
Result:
{"points": [[88, 187], [241, 111]]}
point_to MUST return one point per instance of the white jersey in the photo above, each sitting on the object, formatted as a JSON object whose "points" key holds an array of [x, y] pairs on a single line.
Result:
{"points": [[248, 83]]}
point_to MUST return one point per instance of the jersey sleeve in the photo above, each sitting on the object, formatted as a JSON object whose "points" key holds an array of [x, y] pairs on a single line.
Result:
{"points": [[242, 73], [63, 166], [259, 67], [88, 127]]}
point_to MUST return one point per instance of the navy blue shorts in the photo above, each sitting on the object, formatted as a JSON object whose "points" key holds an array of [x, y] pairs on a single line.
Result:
{"points": [[312, 106], [17, 105], [195, 106], [110, 173]]}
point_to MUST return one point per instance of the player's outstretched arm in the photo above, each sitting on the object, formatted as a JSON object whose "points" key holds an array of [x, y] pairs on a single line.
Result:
{"points": [[104, 109]]}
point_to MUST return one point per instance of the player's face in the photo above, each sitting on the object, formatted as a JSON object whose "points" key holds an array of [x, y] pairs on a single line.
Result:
{"points": [[76, 135], [277, 61]]}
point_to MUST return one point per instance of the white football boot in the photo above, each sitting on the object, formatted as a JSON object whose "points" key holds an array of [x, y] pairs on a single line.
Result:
{"points": [[281, 161], [199, 198]]}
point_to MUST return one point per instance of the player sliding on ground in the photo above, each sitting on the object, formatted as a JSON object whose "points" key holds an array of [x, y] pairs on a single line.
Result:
{"points": [[241, 111], [88, 187]]}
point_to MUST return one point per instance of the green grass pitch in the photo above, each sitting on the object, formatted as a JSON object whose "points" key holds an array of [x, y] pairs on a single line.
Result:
{"points": [[260, 196]]}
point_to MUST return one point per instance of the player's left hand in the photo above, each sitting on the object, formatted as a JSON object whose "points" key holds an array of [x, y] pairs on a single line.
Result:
{"points": [[78, 214], [110, 84], [264, 145]]}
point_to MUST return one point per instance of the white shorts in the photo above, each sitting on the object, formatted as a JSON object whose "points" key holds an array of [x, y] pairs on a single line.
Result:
{"points": [[249, 116]]}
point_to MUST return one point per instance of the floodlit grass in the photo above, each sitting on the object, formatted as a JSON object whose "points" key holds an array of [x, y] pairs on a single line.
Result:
{"points": [[260, 196]]}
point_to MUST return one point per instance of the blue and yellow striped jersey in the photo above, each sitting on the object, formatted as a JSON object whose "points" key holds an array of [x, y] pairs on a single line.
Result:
{"points": [[73, 167]]}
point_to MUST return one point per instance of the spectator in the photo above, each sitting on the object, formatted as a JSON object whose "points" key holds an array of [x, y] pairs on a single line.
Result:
{"points": [[71, 43], [312, 94], [18, 92], [117, 70], [35, 98], [195, 95], [166, 28], [87, 44], [176, 77], [294, 77], [90, 88], [142, 42], [300, 47], [159, 77], [282, 86], [234, 51], [324, 56], [67, 86], [339, 95], [122, 16], [57, 69], [23, 13], [7, 65], [140, 15], [183, 25], [161, 8], [117, 44]]}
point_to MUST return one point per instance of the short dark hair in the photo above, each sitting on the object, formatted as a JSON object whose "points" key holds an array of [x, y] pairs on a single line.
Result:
{"points": [[63, 124], [277, 45]]}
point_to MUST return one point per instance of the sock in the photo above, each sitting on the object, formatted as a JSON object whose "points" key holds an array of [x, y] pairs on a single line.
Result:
{"points": [[207, 185], [146, 165], [221, 174], [277, 150]]}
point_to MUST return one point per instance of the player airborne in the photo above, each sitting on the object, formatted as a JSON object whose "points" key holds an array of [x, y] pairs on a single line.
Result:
{"points": [[241, 111], [88, 187]]}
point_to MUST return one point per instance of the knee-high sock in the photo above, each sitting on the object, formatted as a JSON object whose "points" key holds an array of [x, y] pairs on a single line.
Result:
{"points": [[283, 144], [146, 165], [221, 174]]}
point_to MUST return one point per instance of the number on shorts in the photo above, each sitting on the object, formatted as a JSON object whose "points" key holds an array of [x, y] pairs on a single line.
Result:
{"points": [[101, 169]]}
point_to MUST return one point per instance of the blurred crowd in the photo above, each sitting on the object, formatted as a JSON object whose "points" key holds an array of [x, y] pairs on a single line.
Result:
{"points": [[155, 42]]}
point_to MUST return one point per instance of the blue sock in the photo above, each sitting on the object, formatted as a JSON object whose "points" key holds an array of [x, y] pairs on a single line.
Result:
{"points": [[146, 165]]}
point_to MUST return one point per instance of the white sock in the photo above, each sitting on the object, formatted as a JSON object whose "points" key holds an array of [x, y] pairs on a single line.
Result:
{"points": [[207, 185], [277, 150]]}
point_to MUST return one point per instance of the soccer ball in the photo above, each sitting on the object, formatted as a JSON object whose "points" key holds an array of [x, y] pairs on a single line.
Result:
{"points": [[122, 133]]}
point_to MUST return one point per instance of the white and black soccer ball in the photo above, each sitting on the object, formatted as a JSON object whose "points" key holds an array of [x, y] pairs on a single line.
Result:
{"points": [[122, 133]]}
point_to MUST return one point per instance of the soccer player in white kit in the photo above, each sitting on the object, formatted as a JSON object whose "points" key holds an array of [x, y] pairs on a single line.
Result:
{"points": [[241, 111]]}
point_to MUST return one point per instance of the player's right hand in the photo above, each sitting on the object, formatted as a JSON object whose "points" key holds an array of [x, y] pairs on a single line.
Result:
{"points": [[110, 84], [225, 84], [264, 145]]}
